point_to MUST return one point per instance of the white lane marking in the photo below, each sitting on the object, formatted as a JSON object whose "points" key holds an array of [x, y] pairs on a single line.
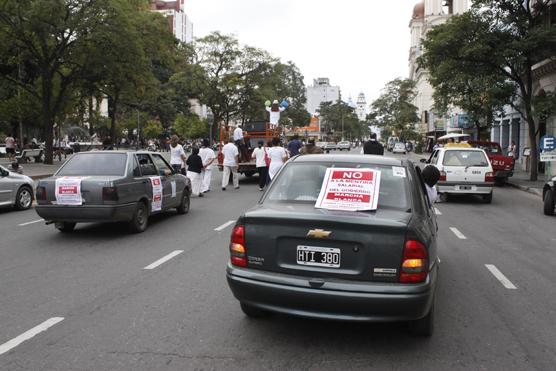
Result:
{"points": [[437, 212], [32, 222], [163, 259], [6, 347], [224, 226], [458, 233], [500, 276]]}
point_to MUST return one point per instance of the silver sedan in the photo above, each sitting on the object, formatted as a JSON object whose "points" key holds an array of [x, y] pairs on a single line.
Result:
{"points": [[16, 190]]}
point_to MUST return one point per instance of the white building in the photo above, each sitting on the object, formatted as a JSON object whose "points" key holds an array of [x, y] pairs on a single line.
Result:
{"points": [[361, 107], [427, 14], [178, 22], [321, 91]]}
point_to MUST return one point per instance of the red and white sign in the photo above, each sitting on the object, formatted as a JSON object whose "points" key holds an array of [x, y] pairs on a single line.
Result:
{"points": [[349, 189], [156, 183], [68, 191]]}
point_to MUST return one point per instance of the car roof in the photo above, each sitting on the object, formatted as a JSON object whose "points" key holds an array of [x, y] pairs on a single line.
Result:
{"points": [[365, 159], [113, 152]]}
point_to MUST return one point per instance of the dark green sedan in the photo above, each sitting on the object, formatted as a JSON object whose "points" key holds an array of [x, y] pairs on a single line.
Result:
{"points": [[288, 256]]}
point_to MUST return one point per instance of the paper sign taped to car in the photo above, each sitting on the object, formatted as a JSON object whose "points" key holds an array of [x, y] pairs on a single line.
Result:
{"points": [[156, 183], [349, 189], [68, 191]]}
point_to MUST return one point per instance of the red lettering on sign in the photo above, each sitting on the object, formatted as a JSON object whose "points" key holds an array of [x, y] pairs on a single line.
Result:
{"points": [[65, 190], [355, 174], [352, 197], [157, 198], [156, 182]]}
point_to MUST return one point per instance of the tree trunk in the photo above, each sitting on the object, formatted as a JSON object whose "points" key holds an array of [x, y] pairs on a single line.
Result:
{"points": [[534, 149], [113, 114]]}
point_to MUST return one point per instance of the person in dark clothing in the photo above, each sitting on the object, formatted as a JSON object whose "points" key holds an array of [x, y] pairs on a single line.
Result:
{"points": [[373, 147], [194, 167], [294, 146], [431, 176]]}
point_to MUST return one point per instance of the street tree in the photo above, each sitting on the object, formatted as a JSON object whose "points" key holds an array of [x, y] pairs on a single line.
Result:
{"points": [[51, 37], [394, 110], [501, 40], [339, 119]]}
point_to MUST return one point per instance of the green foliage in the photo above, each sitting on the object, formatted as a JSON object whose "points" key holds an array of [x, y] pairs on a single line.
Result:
{"points": [[152, 129], [191, 126], [340, 120], [394, 111]]}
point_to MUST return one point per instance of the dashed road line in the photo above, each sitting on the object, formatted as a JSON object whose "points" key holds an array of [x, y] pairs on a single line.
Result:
{"points": [[437, 212], [458, 234], [6, 347], [163, 259], [224, 226], [31, 222], [500, 276]]}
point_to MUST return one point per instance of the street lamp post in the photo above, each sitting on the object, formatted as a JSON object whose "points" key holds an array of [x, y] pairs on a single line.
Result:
{"points": [[137, 142]]}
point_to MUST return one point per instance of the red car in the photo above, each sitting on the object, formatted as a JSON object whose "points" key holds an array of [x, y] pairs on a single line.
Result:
{"points": [[502, 165]]}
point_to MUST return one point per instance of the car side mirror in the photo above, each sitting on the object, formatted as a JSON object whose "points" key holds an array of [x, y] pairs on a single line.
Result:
{"points": [[424, 161]]}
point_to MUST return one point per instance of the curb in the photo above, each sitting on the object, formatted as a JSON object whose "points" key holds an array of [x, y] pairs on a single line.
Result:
{"points": [[535, 191]]}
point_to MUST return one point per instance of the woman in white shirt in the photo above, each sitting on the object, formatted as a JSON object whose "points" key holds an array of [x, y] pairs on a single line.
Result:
{"points": [[259, 154], [278, 156], [177, 154]]}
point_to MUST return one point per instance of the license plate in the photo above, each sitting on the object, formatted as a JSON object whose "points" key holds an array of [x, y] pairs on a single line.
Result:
{"points": [[318, 256], [465, 187]]}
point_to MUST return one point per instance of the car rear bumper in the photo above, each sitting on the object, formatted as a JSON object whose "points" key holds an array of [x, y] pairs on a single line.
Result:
{"points": [[334, 300], [86, 213], [503, 173], [460, 188]]}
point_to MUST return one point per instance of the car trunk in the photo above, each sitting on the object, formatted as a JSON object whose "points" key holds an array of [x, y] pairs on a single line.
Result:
{"points": [[368, 246], [467, 174], [91, 189], [501, 162]]}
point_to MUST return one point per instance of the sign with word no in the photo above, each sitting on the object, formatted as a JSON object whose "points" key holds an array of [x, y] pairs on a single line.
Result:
{"points": [[349, 189]]}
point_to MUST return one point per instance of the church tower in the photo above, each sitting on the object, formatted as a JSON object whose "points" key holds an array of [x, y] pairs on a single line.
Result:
{"points": [[361, 109]]}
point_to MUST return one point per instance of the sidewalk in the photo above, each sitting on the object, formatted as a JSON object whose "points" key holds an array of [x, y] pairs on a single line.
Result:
{"points": [[520, 180], [36, 170]]}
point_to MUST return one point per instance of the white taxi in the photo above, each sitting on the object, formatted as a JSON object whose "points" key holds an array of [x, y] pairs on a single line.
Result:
{"points": [[463, 171]]}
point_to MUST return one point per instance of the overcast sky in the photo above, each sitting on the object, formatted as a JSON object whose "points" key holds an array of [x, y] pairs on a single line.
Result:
{"points": [[359, 44]]}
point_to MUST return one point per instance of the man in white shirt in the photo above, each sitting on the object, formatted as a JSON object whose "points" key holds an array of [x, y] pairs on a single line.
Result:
{"points": [[208, 157], [238, 140], [231, 163]]}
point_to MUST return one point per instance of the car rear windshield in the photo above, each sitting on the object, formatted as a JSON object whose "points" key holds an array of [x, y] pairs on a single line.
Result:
{"points": [[491, 148], [465, 158], [90, 164], [302, 182]]}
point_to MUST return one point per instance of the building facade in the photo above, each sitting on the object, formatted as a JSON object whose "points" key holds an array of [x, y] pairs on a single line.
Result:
{"points": [[427, 14], [321, 91], [361, 107], [178, 22]]}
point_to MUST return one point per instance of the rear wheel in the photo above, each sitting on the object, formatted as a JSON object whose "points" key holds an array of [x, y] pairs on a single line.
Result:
{"points": [[24, 198], [549, 203], [140, 218], [251, 311], [487, 198], [183, 208], [425, 325], [65, 227]]}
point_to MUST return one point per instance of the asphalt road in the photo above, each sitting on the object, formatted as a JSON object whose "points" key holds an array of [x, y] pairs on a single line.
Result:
{"points": [[180, 315]]}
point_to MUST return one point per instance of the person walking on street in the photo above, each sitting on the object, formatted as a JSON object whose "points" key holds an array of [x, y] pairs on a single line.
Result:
{"points": [[278, 156], [194, 168], [10, 147], [177, 154], [373, 147], [260, 155], [231, 163], [310, 148], [208, 157], [512, 150], [294, 146]]}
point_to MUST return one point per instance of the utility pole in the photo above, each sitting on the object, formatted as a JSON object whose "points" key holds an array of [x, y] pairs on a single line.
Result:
{"points": [[137, 142]]}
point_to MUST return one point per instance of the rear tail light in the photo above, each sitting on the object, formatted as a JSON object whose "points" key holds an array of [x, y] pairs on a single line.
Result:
{"points": [[442, 176], [238, 254], [489, 177], [414, 262], [109, 194], [41, 193]]}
